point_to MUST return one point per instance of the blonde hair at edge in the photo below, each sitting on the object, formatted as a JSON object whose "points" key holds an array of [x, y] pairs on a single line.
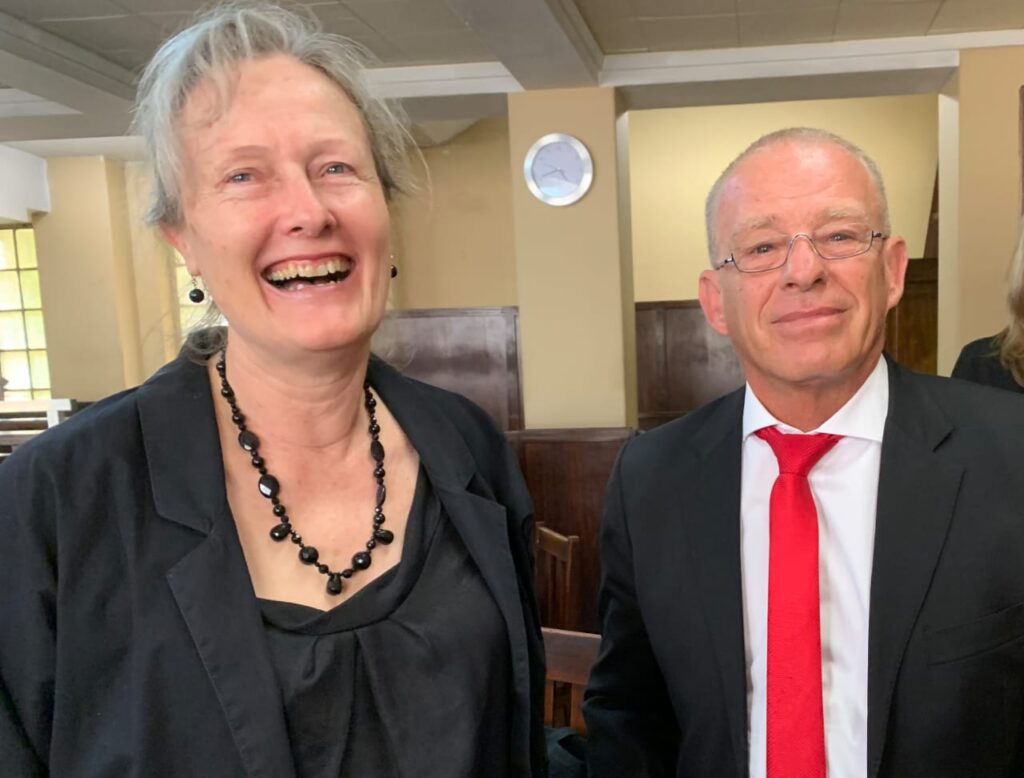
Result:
{"points": [[1011, 340]]}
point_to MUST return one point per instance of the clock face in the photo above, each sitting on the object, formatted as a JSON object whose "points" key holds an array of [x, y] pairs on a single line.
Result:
{"points": [[558, 169]]}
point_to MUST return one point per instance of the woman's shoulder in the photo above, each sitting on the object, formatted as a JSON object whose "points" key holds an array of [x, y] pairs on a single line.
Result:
{"points": [[434, 418], [100, 432], [980, 362], [982, 348], [78, 439], [468, 417]]}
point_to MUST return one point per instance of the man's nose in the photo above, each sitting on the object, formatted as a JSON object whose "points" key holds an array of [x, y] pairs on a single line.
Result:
{"points": [[804, 265]]}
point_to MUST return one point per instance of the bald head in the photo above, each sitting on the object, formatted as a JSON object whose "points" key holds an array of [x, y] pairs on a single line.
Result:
{"points": [[793, 136]]}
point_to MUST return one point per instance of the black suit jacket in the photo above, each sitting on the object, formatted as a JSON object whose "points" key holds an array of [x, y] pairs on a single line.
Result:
{"points": [[979, 362], [131, 642], [946, 639]]}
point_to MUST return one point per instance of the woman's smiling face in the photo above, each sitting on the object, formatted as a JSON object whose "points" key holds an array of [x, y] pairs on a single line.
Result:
{"points": [[284, 216]]}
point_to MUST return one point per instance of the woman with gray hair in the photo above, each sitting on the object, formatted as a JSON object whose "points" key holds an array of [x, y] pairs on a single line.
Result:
{"points": [[277, 556]]}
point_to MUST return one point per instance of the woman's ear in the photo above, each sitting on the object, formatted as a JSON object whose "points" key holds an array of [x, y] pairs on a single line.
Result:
{"points": [[175, 238]]}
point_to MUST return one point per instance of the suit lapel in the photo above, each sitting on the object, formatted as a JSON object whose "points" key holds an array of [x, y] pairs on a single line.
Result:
{"points": [[712, 515], [917, 493], [482, 525], [222, 618], [210, 583]]}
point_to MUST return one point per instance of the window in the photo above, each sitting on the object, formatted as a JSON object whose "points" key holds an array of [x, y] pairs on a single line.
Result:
{"points": [[23, 363]]}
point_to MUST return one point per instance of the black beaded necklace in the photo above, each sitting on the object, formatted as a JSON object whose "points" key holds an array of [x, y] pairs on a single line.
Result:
{"points": [[270, 487]]}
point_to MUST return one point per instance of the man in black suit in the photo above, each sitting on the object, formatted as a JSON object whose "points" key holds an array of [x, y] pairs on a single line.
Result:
{"points": [[915, 557]]}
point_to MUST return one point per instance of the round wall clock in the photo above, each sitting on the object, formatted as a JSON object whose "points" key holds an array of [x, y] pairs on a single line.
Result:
{"points": [[558, 169]]}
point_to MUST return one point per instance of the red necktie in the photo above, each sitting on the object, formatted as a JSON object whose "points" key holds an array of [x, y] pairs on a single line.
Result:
{"points": [[796, 727]]}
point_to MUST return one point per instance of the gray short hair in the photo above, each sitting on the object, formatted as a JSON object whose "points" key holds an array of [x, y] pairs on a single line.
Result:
{"points": [[807, 135], [231, 33]]}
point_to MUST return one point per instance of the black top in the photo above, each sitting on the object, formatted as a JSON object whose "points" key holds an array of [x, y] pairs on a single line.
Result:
{"points": [[131, 642], [979, 362], [410, 677]]}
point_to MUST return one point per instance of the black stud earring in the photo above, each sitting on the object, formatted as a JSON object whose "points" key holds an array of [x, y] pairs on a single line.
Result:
{"points": [[394, 271], [195, 294]]}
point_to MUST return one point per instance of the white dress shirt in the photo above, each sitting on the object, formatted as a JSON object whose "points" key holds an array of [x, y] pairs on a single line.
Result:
{"points": [[845, 488]]}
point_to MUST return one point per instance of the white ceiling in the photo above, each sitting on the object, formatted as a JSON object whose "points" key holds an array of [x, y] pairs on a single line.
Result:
{"points": [[627, 26], [69, 65]]}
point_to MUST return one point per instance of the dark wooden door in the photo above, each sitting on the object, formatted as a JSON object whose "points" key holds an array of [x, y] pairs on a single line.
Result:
{"points": [[912, 329]]}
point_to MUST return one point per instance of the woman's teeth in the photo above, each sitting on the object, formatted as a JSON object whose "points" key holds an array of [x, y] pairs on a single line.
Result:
{"points": [[295, 275], [296, 270]]}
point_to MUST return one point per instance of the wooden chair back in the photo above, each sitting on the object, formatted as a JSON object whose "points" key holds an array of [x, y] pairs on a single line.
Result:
{"points": [[557, 590], [570, 655], [566, 471]]}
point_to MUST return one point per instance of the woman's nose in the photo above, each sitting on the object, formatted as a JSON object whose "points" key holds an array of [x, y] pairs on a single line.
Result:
{"points": [[305, 210]]}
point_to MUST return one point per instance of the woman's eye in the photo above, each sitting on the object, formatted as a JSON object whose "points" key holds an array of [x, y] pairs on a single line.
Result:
{"points": [[240, 178], [338, 168]]}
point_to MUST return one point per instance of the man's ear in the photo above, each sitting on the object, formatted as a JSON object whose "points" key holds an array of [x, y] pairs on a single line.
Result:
{"points": [[710, 294], [895, 258]]}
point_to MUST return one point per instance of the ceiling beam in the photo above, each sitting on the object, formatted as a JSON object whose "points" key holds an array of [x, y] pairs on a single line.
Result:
{"points": [[94, 93], [84, 125], [473, 78], [936, 53], [40, 48], [543, 43], [432, 93]]}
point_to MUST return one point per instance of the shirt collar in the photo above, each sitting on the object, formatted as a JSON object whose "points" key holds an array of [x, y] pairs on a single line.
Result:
{"points": [[863, 415]]}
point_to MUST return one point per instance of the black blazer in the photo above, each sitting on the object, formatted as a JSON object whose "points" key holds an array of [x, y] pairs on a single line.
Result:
{"points": [[979, 362], [131, 642], [946, 639]]}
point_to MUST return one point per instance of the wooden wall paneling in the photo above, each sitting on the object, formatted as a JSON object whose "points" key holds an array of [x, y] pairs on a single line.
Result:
{"points": [[912, 327], [566, 471], [651, 381], [681, 362], [701, 364], [472, 351]]}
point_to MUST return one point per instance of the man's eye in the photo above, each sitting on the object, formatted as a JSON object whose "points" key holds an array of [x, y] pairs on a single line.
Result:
{"points": [[240, 178], [839, 237], [762, 248], [338, 168]]}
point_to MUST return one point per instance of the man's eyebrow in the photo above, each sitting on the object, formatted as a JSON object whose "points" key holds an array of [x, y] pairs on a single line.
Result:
{"points": [[757, 223], [845, 213]]}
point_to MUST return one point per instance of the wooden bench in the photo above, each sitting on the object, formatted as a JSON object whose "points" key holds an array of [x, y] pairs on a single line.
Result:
{"points": [[569, 656], [22, 420]]}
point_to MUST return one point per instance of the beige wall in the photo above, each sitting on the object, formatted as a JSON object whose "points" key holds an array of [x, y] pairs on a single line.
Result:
{"points": [[989, 198], [453, 236], [124, 297], [80, 250], [949, 226], [152, 267], [573, 271], [676, 155]]}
